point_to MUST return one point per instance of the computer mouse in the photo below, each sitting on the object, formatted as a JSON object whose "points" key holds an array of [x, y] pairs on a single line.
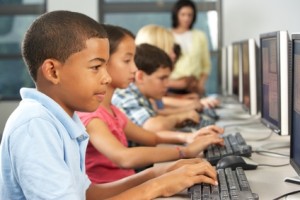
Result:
{"points": [[234, 161]]}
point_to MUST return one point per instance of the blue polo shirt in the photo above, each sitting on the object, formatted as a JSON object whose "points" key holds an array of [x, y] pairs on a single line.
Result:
{"points": [[42, 152]]}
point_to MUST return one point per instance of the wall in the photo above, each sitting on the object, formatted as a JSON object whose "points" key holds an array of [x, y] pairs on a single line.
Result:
{"points": [[243, 19], [90, 7]]}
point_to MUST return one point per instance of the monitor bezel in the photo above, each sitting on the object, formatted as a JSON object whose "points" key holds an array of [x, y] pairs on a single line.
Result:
{"points": [[224, 69], [238, 96], [253, 63], [229, 70], [292, 162], [282, 46]]}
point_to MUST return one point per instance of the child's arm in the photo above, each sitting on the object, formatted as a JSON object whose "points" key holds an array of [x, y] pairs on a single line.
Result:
{"points": [[173, 105], [106, 143], [181, 102], [149, 138], [152, 183], [181, 83], [169, 122]]}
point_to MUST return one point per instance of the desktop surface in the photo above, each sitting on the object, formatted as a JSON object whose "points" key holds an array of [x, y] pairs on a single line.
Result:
{"points": [[268, 182]]}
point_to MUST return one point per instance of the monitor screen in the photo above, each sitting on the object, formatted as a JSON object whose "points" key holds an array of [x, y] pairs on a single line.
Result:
{"points": [[250, 76], [295, 130], [274, 68]]}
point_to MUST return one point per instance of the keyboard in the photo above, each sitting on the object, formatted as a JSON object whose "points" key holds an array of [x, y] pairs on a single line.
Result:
{"points": [[190, 126], [234, 144], [233, 185], [210, 112]]}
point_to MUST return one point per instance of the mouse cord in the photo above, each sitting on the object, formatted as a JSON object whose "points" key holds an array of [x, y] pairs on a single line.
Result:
{"points": [[263, 138], [240, 124], [263, 152], [287, 194], [268, 165]]}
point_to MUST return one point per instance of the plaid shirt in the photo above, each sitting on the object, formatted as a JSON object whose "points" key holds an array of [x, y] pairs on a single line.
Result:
{"points": [[134, 104]]}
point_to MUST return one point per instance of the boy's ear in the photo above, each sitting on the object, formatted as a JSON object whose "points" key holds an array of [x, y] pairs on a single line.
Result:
{"points": [[50, 70], [139, 75]]}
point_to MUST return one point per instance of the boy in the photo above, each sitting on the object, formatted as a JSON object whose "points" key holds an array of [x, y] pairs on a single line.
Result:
{"points": [[42, 153], [151, 82]]}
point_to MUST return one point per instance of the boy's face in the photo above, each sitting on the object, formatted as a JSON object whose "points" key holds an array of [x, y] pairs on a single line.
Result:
{"points": [[121, 65], [156, 85], [83, 78]]}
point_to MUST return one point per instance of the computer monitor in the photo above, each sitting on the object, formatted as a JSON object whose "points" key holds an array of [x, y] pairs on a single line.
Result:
{"points": [[295, 116], [250, 76], [237, 89], [224, 72], [229, 70], [275, 88], [233, 60], [227, 76]]}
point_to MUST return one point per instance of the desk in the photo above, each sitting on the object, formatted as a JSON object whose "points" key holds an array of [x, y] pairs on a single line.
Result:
{"points": [[267, 182]]}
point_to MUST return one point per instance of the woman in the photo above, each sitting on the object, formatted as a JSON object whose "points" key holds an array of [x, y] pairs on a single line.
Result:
{"points": [[193, 67]]}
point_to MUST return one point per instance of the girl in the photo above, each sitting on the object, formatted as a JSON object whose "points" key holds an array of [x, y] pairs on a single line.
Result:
{"points": [[108, 157]]}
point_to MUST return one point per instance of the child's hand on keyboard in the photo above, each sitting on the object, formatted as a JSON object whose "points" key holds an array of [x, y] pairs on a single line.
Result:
{"points": [[201, 143], [188, 117], [162, 169], [185, 176], [211, 129], [209, 102]]}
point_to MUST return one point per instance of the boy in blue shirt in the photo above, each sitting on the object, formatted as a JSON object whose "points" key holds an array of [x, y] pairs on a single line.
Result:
{"points": [[42, 153]]}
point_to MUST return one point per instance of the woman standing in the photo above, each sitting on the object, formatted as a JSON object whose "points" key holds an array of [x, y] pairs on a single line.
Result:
{"points": [[193, 67]]}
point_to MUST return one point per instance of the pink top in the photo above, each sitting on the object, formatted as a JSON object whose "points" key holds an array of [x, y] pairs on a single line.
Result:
{"points": [[98, 167]]}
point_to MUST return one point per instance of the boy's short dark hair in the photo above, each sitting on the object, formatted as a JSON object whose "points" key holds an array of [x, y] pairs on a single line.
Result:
{"points": [[177, 6], [57, 35], [149, 58]]}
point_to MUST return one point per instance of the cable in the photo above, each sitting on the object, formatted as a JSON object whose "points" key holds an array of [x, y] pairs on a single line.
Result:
{"points": [[270, 152], [268, 165], [261, 139], [240, 124], [275, 145], [287, 194]]}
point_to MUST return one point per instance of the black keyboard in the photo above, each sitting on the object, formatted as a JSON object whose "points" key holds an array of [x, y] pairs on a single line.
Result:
{"points": [[210, 112], [234, 144], [233, 185], [191, 126]]}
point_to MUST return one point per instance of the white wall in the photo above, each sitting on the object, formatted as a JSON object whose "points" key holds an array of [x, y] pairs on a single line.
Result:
{"points": [[243, 19], [89, 7]]}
